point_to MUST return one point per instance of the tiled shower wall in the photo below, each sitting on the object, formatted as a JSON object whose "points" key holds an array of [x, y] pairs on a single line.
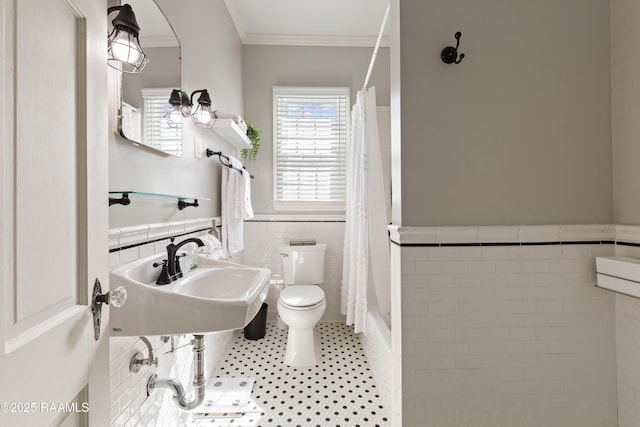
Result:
{"points": [[264, 234], [501, 327], [509, 334], [130, 405], [628, 341], [628, 354]]}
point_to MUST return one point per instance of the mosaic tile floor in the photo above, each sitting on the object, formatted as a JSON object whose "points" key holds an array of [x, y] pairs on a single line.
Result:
{"points": [[339, 392]]}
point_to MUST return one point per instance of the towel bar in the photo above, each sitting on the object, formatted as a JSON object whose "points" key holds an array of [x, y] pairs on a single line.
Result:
{"points": [[221, 156]]}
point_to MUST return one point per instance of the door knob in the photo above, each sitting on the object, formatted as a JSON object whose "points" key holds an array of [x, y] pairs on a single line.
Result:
{"points": [[116, 298]]}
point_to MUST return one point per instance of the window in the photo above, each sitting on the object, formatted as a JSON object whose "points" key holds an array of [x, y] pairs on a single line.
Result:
{"points": [[311, 128], [157, 130]]}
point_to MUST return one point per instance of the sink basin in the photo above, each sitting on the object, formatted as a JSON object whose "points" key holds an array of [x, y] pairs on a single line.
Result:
{"points": [[216, 296]]}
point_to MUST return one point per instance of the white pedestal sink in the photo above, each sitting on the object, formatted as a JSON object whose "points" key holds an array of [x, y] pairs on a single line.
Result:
{"points": [[216, 296]]}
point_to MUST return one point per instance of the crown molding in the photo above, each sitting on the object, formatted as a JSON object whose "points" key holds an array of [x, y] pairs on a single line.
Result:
{"points": [[306, 40], [159, 41], [236, 17], [296, 39]]}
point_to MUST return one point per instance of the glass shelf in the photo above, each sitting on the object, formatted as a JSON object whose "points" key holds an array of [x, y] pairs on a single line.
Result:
{"points": [[125, 200]]}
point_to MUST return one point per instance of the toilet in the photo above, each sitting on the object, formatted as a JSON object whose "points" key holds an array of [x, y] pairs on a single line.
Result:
{"points": [[301, 303]]}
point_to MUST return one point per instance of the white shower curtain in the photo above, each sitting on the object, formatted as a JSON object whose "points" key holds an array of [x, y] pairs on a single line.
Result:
{"points": [[366, 265]]}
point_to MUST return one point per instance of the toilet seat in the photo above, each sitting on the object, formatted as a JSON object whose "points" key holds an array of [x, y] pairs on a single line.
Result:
{"points": [[302, 296]]}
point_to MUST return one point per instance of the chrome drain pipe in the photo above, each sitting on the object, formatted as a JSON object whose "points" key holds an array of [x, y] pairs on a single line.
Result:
{"points": [[199, 381]]}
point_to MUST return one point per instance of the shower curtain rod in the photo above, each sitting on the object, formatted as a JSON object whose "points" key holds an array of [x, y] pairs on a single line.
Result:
{"points": [[375, 50]]}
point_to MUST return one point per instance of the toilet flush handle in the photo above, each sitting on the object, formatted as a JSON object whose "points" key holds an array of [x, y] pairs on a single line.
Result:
{"points": [[284, 255]]}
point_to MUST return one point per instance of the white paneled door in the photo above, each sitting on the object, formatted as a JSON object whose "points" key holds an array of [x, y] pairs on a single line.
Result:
{"points": [[53, 212]]}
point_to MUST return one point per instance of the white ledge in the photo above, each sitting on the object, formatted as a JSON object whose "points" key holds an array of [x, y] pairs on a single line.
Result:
{"points": [[231, 132], [619, 274], [502, 234]]}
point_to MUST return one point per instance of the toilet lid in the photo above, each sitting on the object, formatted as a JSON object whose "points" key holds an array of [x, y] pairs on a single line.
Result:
{"points": [[302, 295]]}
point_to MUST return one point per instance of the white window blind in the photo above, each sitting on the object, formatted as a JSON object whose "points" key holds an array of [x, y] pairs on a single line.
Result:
{"points": [[311, 127], [158, 132]]}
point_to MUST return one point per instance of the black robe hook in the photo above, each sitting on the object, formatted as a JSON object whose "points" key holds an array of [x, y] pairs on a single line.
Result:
{"points": [[449, 54]]}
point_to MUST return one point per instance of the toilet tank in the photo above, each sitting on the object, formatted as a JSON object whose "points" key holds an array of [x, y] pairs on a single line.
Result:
{"points": [[303, 265]]}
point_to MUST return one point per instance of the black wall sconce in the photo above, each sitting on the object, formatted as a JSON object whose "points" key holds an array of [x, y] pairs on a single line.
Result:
{"points": [[182, 106], [449, 54], [123, 46]]}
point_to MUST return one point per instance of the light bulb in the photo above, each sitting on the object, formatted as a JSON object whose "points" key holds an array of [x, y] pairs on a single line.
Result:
{"points": [[175, 116], [203, 117], [124, 49]]}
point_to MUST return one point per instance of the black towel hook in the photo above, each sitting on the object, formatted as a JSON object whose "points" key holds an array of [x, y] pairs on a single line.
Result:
{"points": [[449, 54]]}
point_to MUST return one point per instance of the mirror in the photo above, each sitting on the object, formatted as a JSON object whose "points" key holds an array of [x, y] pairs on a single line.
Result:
{"points": [[144, 97]]}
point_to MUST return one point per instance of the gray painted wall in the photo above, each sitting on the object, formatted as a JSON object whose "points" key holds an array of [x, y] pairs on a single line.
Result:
{"points": [[211, 59], [268, 66], [625, 30], [221, 64], [520, 131], [162, 71]]}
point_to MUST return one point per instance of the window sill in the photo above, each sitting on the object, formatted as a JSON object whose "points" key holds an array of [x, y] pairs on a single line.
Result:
{"points": [[311, 207], [297, 217]]}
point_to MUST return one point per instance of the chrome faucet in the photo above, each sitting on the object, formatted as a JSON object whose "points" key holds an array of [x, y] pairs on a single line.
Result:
{"points": [[172, 259]]}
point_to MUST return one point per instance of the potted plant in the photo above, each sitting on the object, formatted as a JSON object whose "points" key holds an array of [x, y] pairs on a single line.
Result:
{"points": [[253, 134]]}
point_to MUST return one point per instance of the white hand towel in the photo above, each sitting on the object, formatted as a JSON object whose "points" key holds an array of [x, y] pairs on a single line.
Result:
{"points": [[242, 125], [211, 243], [212, 248], [232, 221], [248, 208], [219, 114], [235, 175]]}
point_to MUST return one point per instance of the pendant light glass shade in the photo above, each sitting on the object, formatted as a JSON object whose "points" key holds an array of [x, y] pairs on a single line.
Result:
{"points": [[174, 117], [182, 106], [203, 116], [123, 47]]}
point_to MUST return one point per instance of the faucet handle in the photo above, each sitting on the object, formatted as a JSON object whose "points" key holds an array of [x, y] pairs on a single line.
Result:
{"points": [[158, 264]]}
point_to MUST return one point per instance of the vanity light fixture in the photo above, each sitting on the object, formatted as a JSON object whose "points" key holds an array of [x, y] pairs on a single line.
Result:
{"points": [[123, 47], [182, 106]]}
